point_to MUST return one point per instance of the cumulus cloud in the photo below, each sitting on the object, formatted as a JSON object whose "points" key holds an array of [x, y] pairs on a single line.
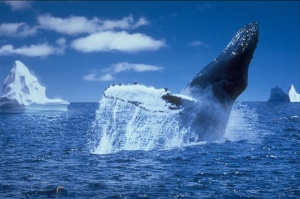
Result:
{"points": [[102, 35], [94, 76], [125, 66], [40, 50], [19, 5], [125, 23], [71, 26], [75, 25], [61, 41], [198, 43], [108, 74], [116, 41], [141, 22], [17, 30]]}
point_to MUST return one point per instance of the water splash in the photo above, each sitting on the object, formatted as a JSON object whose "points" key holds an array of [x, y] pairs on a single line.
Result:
{"points": [[137, 129], [242, 124], [120, 125]]}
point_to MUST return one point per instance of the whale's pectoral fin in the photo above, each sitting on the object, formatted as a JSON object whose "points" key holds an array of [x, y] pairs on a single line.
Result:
{"points": [[177, 101]]}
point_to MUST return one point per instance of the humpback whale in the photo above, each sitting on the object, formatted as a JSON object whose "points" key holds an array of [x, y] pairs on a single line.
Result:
{"points": [[221, 82], [131, 116]]}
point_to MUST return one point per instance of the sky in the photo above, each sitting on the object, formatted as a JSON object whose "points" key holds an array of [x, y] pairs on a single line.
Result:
{"points": [[76, 49]]}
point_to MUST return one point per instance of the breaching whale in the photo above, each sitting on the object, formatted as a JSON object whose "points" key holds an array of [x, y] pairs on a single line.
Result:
{"points": [[139, 117], [220, 83]]}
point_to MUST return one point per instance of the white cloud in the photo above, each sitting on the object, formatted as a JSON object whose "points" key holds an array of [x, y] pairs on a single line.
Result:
{"points": [[108, 74], [40, 50], [119, 41], [125, 66], [125, 23], [61, 41], [94, 77], [19, 5], [104, 35], [71, 26], [198, 43], [141, 22], [17, 30], [75, 25]]}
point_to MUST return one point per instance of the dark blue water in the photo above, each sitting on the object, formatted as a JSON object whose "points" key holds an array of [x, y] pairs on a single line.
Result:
{"points": [[48, 155]]}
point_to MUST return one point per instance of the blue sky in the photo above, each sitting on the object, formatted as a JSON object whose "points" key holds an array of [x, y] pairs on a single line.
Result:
{"points": [[77, 49]]}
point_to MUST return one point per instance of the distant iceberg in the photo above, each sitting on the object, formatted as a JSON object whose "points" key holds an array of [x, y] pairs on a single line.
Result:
{"points": [[278, 95], [22, 91], [293, 95]]}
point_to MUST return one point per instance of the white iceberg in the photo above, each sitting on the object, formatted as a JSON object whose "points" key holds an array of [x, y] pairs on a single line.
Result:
{"points": [[278, 95], [22, 91], [293, 95]]}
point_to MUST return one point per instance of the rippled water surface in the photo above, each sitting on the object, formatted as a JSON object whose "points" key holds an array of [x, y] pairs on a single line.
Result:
{"points": [[50, 155]]}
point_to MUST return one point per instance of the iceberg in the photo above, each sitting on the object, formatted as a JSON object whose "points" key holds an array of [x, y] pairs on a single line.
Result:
{"points": [[278, 95], [293, 95], [22, 91]]}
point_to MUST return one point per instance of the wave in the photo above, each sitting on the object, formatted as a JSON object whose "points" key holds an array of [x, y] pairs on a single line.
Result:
{"points": [[53, 192]]}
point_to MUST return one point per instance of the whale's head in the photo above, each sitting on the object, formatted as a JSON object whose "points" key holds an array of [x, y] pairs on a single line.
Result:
{"points": [[226, 77]]}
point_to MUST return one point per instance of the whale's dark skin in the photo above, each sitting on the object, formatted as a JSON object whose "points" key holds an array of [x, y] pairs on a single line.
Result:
{"points": [[228, 73], [217, 86]]}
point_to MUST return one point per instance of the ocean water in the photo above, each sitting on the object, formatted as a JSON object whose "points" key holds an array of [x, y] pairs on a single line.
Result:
{"points": [[55, 155]]}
